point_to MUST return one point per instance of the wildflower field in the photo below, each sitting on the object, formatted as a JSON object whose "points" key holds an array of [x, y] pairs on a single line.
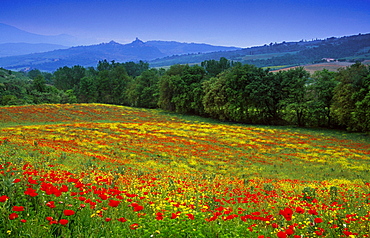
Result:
{"points": [[94, 170]]}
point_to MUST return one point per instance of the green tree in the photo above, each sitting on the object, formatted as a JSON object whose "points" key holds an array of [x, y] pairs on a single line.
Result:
{"points": [[143, 90], [34, 73], [86, 92], [295, 102], [233, 95], [320, 92], [135, 69], [180, 89], [68, 78], [351, 98], [265, 94], [111, 84], [39, 84], [214, 67]]}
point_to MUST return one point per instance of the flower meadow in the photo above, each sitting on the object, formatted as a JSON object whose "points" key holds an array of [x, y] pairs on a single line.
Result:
{"points": [[94, 170]]}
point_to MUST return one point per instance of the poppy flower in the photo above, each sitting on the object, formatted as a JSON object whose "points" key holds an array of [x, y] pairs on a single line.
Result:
{"points": [[63, 221], [23, 220], [287, 213], [299, 210], [318, 220], [3, 198], [114, 203], [282, 234], [13, 216], [31, 192], [289, 231], [18, 209], [134, 226], [108, 219], [313, 212], [138, 208], [50, 204], [190, 216], [122, 219], [159, 216], [68, 212], [16, 180]]}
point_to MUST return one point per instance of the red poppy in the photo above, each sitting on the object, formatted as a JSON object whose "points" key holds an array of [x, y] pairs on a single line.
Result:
{"points": [[31, 192], [13, 216], [318, 220], [159, 216], [134, 226], [3, 198], [18, 209], [103, 197], [63, 221], [16, 180], [287, 213], [282, 234], [114, 203], [190, 216], [108, 219], [23, 220], [299, 210], [138, 208], [313, 212], [275, 225], [68, 212], [174, 215], [122, 219], [289, 231], [50, 204]]}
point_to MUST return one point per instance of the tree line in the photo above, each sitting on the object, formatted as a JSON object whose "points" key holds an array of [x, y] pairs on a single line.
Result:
{"points": [[219, 89]]}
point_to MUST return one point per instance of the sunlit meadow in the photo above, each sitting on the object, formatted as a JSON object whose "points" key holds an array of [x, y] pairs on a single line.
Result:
{"points": [[93, 170]]}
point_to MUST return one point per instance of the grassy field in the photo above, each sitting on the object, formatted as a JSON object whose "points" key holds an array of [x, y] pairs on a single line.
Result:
{"points": [[93, 170]]}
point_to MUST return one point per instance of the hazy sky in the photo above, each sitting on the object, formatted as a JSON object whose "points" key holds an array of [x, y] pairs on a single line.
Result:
{"points": [[231, 23]]}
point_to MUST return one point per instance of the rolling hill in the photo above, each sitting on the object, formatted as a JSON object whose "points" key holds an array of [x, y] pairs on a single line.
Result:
{"points": [[166, 53], [90, 55], [10, 34], [13, 49], [285, 54]]}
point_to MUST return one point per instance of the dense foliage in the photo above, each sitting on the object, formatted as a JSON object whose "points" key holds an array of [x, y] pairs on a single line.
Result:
{"points": [[219, 89]]}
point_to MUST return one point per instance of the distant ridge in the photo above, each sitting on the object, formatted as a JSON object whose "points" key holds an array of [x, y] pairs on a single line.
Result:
{"points": [[90, 55], [11, 34], [13, 49], [167, 53]]}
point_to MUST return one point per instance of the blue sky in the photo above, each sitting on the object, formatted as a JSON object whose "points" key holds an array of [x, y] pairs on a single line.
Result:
{"points": [[242, 23]]}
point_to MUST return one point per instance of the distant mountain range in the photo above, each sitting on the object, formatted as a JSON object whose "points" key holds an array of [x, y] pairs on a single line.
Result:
{"points": [[10, 34], [49, 52], [13, 49], [90, 55]]}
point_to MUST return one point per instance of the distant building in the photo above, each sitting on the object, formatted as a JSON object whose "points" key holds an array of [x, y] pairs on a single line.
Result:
{"points": [[329, 59]]}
